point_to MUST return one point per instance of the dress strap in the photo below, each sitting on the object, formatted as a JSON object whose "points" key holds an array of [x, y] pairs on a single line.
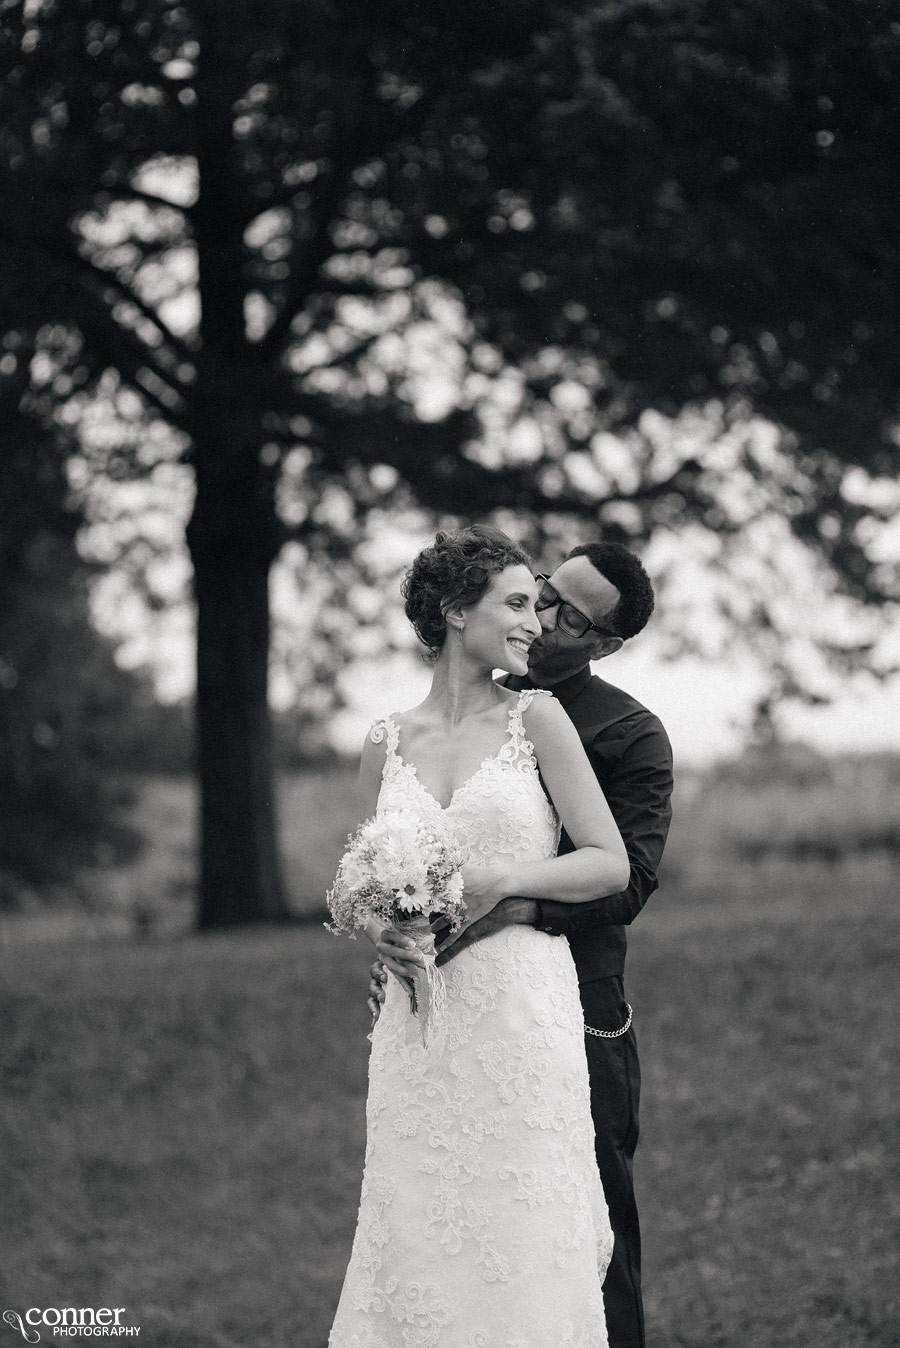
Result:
{"points": [[526, 697], [521, 745], [386, 726]]}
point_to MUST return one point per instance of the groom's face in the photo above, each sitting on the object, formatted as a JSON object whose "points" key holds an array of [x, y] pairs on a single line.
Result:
{"points": [[557, 655]]}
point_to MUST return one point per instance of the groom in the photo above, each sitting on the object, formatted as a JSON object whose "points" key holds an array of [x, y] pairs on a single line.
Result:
{"points": [[598, 598]]}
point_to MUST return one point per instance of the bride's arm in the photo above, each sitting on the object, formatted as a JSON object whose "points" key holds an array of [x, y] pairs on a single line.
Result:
{"points": [[599, 865], [371, 766]]}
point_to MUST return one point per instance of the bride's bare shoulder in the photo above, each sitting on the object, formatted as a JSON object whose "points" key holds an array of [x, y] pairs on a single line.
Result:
{"points": [[544, 716], [414, 718]]}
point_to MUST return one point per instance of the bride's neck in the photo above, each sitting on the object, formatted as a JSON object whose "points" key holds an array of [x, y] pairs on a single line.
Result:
{"points": [[458, 689]]}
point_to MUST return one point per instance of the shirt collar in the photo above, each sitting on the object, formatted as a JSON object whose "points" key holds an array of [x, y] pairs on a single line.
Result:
{"points": [[568, 689]]}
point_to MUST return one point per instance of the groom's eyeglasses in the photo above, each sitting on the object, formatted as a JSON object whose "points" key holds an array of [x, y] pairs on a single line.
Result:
{"points": [[568, 617]]}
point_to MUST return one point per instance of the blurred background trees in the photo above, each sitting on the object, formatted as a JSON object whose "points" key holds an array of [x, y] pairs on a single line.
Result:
{"points": [[627, 265], [64, 702]]}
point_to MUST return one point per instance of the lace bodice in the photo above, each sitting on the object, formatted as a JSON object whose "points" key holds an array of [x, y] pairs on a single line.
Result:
{"points": [[501, 812]]}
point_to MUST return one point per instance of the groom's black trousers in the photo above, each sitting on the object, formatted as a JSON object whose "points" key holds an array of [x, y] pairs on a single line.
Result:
{"points": [[615, 1096]]}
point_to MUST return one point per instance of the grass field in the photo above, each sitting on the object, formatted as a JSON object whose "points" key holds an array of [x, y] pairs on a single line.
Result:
{"points": [[183, 1116]]}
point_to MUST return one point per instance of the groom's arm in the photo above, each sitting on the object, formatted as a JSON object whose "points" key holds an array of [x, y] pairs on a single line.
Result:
{"points": [[635, 767]]}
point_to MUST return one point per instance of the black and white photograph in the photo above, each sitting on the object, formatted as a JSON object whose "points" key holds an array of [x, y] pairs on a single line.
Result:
{"points": [[450, 673]]}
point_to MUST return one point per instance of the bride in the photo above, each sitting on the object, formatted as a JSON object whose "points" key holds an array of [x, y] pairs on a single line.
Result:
{"points": [[482, 1222]]}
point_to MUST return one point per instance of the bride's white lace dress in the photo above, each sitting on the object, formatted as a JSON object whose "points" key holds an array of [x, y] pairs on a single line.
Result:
{"points": [[482, 1222]]}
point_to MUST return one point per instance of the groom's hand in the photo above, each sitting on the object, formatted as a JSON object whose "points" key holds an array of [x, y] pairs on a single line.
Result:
{"points": [[377, 980], [508, 912]]}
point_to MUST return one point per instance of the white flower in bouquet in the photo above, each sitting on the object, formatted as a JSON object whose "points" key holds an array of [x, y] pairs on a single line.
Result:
{"points": [[454, 891], [414, 896], [354, 873]]}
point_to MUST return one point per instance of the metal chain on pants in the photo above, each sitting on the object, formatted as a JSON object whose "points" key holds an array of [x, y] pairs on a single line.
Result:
{"points": [[610, 1034]]}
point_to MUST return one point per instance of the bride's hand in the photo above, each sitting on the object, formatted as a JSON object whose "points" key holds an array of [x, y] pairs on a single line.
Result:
{"points": [[397, 952], [483, 889]]}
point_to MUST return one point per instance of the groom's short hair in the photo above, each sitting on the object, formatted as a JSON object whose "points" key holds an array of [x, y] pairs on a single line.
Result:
{"points": [[624, 570]]}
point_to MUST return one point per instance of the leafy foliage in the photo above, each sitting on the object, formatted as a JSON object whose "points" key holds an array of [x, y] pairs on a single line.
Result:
{"points": [[629, 266], [614, 208]]}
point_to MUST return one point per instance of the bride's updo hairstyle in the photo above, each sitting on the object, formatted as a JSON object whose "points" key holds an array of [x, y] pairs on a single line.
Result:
{"points": [[455, 569]]}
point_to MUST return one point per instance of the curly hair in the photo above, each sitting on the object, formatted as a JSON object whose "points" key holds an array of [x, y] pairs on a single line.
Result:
{"points": [[624, 570], [455, 569]]}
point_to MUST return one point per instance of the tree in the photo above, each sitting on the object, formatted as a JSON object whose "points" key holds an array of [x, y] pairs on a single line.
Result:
{"points": [[63, 699], [610, 213]]}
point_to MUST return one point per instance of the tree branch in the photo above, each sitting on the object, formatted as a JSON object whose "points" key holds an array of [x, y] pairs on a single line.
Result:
{"points": [[343, 358], [130, 193], [182, 351], [102, 332], [308, 257], [361, 140], [70, 258]]}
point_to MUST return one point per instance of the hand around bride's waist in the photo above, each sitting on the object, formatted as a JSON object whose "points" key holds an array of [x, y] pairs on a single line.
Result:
{"points": [[483, 888], [396, 951]]}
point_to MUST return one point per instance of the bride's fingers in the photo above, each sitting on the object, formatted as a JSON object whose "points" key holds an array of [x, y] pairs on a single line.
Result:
{"points": [[390, 936], [401, 970], [393, 956], [376, 988]]}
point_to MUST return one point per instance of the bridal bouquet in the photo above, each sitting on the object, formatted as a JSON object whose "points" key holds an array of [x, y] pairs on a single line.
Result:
{"points": [[402, 869]]}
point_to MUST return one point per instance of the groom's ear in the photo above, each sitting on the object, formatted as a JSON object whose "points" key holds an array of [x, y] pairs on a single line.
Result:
{"points": [[606, 646]]}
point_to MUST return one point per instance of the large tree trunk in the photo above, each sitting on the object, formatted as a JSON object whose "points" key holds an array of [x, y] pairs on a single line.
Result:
{"points": [[233, 534], [240, 879]]}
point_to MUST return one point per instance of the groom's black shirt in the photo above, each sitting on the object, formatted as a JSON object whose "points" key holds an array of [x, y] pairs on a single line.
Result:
{"points": [[632, 758]]}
